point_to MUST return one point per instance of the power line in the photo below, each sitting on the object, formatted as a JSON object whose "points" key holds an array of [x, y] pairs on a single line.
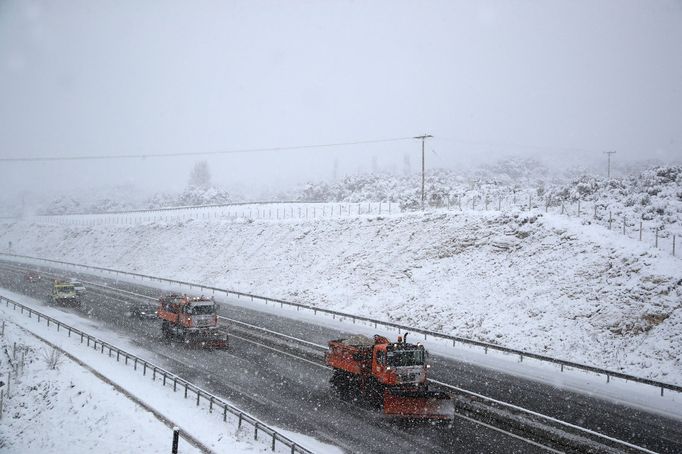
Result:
{"points": [[517, 145], [199, 153]]}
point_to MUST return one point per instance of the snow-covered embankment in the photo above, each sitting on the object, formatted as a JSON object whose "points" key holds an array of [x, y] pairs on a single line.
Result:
{"points": [[542, 283]]}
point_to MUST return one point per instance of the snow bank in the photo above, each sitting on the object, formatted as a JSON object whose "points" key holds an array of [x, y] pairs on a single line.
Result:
{"points": [[542, 283]]}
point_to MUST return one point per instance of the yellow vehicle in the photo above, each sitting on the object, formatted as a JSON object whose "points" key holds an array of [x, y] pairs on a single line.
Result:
{"points": [[64, 294]]}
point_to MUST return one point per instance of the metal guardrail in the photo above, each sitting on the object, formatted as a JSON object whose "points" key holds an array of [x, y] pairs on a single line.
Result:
{"points": [[167, 377], [454, 339]]}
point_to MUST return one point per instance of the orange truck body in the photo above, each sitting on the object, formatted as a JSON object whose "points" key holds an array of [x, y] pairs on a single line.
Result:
{"points": [[391, 375], [192, 320]]}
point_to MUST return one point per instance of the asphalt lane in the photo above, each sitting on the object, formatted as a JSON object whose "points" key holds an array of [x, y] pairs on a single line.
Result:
{"points": [[280, 390]]}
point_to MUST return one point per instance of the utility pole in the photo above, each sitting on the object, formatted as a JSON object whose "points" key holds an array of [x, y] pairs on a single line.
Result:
{"points": [[609, 153], [423, 139]]}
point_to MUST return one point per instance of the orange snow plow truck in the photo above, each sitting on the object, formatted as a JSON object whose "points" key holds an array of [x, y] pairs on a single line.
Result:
{"points": [[388, 375], [193, 321]]}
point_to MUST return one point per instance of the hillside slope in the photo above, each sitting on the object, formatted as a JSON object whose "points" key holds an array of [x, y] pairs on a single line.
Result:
{"points": [[538, 282]]}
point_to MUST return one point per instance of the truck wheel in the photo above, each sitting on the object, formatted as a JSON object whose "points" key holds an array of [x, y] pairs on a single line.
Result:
{"points": [[344, 383], [375, 393], [165, 330]]}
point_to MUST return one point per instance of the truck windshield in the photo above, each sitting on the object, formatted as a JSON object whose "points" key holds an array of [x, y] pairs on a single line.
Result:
{"points": [[203, 309], [406, 358]]}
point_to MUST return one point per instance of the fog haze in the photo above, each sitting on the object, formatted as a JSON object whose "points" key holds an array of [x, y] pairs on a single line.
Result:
{"points": [[561, 80]]}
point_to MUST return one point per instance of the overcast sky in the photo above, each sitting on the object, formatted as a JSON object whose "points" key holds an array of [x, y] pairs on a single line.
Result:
{"points": [[557, 78]]}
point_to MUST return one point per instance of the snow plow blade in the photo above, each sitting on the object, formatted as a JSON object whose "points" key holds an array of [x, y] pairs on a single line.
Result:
{"points": [[418, 404], [211, 340]]}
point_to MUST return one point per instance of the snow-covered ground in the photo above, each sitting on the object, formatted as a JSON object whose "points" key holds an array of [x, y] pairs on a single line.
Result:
{"points": [[69, 409], [539, 282]]}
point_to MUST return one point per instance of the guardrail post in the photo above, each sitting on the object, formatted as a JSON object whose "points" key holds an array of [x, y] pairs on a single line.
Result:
{"points": [[239, 424], [198, 395], [164, 378], [144, 368], [608, 378], [176, 436], [225, 413], [255, 431], [185, 390], [175, 383], [154, 374], [273, 441], [135, 364]]}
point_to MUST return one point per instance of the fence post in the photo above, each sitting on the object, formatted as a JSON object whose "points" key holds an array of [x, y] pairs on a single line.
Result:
{"points": [[623, 225], [610, 219], [673, 245], [595, 211], [578, 207], [640, 230], [656, 238]]}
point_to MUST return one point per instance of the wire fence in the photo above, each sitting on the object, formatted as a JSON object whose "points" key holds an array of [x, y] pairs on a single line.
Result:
{"points": [[657, 233], [342, 316], [167, 379], [279, 211]]}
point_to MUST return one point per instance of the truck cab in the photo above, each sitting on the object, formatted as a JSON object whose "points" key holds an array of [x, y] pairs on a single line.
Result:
{"points": [[399, 363], [64, 293]]}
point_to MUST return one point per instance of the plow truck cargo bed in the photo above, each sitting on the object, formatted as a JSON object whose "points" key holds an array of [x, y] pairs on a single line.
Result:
{"points": [[388, 375]]}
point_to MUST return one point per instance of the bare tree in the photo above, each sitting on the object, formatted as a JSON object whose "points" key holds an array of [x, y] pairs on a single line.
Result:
{"points": [[53, 358], [200, 177]]}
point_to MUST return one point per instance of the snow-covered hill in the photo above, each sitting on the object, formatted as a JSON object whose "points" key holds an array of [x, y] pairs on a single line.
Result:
{"points": [[539, 282], [653, 195]]}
